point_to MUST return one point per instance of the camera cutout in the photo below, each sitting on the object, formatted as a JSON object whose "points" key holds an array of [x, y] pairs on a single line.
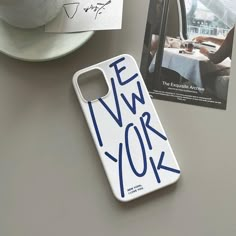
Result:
{"points": [[93, 85]]}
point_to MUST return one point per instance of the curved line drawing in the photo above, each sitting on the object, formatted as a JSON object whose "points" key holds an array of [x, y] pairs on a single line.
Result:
{"points": [[98, 8], [102, 7]]}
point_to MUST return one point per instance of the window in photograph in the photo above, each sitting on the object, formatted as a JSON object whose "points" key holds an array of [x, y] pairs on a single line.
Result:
{"points": [[210, 17]]}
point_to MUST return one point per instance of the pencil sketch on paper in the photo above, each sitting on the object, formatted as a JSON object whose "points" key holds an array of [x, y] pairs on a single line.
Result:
{"points": [[86, 15], [71, 9], [97, 8]]}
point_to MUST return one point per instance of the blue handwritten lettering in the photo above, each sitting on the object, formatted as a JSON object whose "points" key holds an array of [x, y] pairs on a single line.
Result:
{"points": [[129, 154], [95, 124], [155, 170], [120, 170], [117, 118], [111, 157], [144, 132], [161, 166], [118, 72], [134, 98], [146, 125], [122, 192]]}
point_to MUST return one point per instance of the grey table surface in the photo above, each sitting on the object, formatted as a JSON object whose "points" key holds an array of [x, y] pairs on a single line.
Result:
{"points": [[52, 181]]}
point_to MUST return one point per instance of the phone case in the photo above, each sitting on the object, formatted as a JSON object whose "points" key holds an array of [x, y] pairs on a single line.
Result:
{"points": [[127, 132]]}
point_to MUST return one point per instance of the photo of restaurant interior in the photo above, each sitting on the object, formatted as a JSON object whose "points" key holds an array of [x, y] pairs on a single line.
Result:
{"points": [[188, 47]]}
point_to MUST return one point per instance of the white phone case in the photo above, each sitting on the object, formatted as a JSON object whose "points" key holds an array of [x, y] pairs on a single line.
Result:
{"points": [[127, 132]]}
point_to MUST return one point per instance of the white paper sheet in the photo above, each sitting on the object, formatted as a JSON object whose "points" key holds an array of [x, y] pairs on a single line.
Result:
{"points": [[84, 15]]}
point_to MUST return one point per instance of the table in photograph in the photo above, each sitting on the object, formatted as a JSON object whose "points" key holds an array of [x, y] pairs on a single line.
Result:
{"points": [[52, 182], [192, 67]]}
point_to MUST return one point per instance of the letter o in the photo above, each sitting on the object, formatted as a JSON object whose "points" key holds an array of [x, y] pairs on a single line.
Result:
{"points": [[144, 171]]}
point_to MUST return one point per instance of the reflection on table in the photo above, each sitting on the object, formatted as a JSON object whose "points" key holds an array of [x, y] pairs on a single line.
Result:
{"points": [[192, 67]]}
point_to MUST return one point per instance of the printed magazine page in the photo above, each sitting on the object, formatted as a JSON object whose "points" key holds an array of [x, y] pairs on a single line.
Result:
{"points": [[187, 51]]}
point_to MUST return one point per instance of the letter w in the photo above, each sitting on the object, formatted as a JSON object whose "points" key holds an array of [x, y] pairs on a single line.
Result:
{"points": [[139, 98]]}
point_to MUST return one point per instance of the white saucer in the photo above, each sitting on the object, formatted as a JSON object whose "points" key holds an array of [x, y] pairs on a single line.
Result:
{"points": [[36, 45]]}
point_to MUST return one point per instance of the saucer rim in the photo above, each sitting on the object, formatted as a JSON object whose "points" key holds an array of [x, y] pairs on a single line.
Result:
{"points": [[24, 57]]}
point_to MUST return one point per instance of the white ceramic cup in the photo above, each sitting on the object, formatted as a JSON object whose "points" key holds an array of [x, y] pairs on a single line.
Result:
{"points": [[29, 13]]}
